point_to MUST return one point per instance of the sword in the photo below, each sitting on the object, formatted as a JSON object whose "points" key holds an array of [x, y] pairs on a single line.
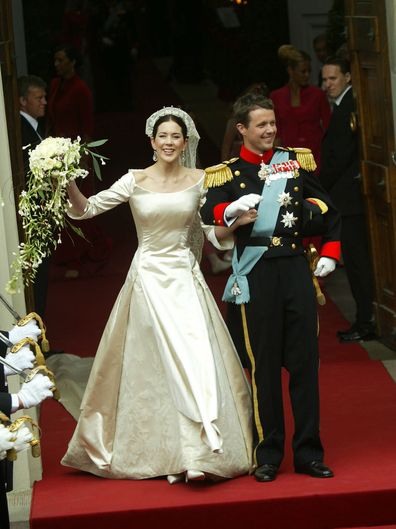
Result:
{"points": [[18, 371], [5, 340], [9, 308]]}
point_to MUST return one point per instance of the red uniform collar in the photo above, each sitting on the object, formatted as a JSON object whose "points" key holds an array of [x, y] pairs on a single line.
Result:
{"points": [[257, 159]]}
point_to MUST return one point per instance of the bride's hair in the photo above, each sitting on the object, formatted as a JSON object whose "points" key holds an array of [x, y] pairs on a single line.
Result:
{"points": [[170, 117]]}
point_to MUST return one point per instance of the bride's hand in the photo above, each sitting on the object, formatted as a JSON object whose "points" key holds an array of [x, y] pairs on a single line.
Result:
{"points": [[246, 218]]}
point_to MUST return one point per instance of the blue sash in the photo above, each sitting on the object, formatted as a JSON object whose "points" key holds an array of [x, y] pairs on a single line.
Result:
{"points": [[237, 287]]}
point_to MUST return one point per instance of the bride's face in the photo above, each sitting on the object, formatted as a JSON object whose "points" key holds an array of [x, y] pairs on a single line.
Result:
{"points": [[169, 141]]}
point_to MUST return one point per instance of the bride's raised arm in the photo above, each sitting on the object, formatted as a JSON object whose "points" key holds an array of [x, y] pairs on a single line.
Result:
{"points": [[77, 199]]}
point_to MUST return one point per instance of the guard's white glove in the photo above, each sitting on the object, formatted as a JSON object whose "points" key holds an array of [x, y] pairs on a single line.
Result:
{"points": [[242, 205], [23, 437], [29, 330], [35, 391], [23, 359], [5, 441], [325, 266]]}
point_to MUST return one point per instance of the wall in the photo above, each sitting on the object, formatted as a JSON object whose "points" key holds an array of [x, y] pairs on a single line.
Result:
{"points": [[308, 18]]}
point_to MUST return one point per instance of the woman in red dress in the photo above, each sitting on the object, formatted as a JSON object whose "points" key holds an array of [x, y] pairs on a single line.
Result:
{"points": [[302, 110], [71, 114]]}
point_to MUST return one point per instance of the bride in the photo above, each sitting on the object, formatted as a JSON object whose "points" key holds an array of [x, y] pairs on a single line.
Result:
{"points": [[167, 395]]}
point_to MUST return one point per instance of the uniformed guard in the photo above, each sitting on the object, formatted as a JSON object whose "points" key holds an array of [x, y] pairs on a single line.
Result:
{"points": [[272, 313]]}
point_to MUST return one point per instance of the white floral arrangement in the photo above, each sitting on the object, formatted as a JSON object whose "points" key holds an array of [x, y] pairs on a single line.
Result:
{"points": [[53, 164]]}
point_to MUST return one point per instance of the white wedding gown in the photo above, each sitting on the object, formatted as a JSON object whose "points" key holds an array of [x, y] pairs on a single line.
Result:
{"points": [[167, 392]]}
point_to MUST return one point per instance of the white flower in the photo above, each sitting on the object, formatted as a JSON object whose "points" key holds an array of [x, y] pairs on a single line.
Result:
{"points": [[288, 219], [44, 203]]}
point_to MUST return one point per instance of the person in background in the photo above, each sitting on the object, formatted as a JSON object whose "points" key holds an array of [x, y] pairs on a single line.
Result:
{"points": [[302, 110], [272, 314], [340, 176], [322, 52], [71, 114], [70, 100]]}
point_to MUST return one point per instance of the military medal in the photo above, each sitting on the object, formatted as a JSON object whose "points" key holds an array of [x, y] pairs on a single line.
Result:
{"points": [[277, 171]]}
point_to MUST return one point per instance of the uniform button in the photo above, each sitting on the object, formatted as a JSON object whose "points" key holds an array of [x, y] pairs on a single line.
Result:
{"points": [[295, 233], [237, 173], [296, 188], [296, 203], [242, 185], [293, 246]]}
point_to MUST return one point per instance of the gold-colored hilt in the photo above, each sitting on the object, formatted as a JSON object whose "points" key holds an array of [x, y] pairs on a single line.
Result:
{"points": [[40, 360], [34, 442], [34, 316], [44, 370], [313, 258], [4, 419]]}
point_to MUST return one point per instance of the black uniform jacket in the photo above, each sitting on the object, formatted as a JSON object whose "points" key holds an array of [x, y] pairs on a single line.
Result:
{"points": [[340, 163], [29, 137], [308, 217], [5, 398]]}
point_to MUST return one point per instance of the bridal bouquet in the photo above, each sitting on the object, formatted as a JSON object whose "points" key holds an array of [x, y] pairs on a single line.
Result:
{"points": [[53, 164]]}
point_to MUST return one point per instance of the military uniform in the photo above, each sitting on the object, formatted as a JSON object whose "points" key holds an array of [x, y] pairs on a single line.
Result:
{"points": [[277, 326], [5, 407]]}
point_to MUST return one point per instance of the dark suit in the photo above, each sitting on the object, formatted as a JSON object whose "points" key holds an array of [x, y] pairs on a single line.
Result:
{"points": [[340, 177], [5, 407], [278, 326], [40, 287]]}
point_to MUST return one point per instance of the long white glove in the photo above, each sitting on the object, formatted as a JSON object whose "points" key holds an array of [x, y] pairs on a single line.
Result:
{"points": [[23, 438], [5, 441], [242, 205], [35, 391], [30, 330], [23, 359], [325, 266]]}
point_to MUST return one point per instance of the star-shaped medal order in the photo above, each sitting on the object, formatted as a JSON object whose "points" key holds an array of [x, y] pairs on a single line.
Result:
{"points": [[284, 199], [288, 220]]}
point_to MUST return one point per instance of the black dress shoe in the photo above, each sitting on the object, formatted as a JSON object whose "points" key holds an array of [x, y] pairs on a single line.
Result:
{"points": [[266, 472], [315, 469], [357, 334]]}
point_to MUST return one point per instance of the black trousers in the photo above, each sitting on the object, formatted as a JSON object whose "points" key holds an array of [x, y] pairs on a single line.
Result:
{"points": [[280, 328], [357, 261], [4, 521]]}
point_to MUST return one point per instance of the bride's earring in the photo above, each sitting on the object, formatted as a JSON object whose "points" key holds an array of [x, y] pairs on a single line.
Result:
{"points": [[155, 157], [183, 157]]}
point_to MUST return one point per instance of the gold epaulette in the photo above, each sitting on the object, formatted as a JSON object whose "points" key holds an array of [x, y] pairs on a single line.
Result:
{"points": [[219, 174], [305, 158]]}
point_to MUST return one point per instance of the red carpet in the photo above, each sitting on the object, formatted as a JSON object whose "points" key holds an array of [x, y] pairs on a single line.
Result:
{"points": [[358, 411], [358, 429]]}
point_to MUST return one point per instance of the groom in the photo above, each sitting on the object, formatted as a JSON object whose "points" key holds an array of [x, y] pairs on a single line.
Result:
{"points": [[272, 313]]}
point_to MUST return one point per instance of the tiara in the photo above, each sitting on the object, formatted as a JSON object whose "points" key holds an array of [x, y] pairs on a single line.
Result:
{"points": [[173, 111]]}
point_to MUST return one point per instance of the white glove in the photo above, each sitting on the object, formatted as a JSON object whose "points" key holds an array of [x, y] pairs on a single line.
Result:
{"points": [[35, 391], [325, 266], [23, 359], [5, 443], [242, 205], [30, 330], [23, 438]]}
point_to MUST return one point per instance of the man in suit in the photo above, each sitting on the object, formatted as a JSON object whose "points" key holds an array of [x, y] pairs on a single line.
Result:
{"points": [[340, 176], [272, 314], [32, 104]]}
